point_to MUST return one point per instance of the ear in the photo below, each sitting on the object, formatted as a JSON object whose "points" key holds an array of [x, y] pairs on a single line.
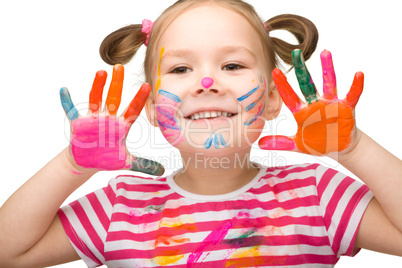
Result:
{"points": [[150, 110], [274, 103]]}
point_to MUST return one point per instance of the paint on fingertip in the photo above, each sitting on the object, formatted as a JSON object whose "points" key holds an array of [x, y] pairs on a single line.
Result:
{"points": [[68, 105]]}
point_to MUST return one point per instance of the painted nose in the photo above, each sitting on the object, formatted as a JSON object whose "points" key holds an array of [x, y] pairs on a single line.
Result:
{"points": [[207, 82]]}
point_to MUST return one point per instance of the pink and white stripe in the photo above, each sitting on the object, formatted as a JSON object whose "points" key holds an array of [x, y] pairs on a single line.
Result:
{"points": [[303, 215]]}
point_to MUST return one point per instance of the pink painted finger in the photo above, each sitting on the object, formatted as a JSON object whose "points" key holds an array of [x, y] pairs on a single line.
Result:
{"points": [[95, 96], [355, 90], [328, 74], [136, 105], [277, 143], [290, 98]]}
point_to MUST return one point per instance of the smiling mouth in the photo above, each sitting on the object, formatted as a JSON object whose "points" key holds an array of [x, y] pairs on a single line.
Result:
{"points": [[210, 115]]}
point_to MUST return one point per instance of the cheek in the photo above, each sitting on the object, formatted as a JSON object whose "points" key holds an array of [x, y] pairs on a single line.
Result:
{"points": [[166, 113], [253, 104]]}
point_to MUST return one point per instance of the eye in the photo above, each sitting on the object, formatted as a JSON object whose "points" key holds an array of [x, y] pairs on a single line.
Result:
{"points": [[232, 67], [180, 70]]}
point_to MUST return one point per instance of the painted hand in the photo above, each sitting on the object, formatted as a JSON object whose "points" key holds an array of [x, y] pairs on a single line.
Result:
{"points": [[325, 123], [98, 140]]}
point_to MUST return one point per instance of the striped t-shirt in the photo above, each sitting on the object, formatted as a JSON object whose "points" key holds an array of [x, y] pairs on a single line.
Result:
{"points": [[301, 215]]}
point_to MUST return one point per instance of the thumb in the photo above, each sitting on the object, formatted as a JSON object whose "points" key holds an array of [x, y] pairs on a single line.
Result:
{"points": [[146, 166], [277, 143]]}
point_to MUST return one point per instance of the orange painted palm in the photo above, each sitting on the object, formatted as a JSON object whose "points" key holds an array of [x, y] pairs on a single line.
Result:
{"points": [[325, 123]]}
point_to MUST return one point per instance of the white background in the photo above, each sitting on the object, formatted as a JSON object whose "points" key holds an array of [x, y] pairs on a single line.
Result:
{"points": [[49, 44]]}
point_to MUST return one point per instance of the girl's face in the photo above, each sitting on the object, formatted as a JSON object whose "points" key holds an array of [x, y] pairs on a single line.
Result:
{"points": [[211, 91]]}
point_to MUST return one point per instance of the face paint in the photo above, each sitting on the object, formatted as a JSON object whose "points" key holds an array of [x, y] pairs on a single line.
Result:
{"points": [[169, 95], [215, 140], [249, 107], [207, 82], [254, 118], [165, 111], [252, 105], [248, 94]]}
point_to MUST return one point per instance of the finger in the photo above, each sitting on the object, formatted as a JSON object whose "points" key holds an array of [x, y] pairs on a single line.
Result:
{"points": [[68, 105], [355, 90], [277, 143], [290, 98], [146, 166], [116, 87], [303, 76], [95, 96], [136, 105], [328, 74]]}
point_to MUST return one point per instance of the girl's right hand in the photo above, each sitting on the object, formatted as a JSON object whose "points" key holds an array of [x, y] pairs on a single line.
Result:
{"points": [[98, 140]]}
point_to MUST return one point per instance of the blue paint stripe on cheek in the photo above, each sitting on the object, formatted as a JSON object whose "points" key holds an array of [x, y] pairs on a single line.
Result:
{"points": [[208, 143], [252, 105], [251, 120], [68, 105], [170, 95], [222, 141], [169, 126], [248, 94]]}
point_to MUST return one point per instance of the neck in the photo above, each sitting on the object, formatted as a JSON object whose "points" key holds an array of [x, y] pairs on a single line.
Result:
{"points": [[224, 173]]}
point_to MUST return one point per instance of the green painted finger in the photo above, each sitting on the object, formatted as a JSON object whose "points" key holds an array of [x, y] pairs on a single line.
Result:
{"points": [[146, 166], [303, 76]]}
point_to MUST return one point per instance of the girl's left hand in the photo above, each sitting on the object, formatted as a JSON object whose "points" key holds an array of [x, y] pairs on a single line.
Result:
{"points": [[325, 123]]}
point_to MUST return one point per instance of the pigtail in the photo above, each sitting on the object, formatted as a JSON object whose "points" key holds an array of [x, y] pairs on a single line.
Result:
{"points": [[121, 45], [303, 29]]}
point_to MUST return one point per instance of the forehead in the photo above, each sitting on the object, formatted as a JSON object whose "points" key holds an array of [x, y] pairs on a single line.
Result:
{"points": [[209, 27]]}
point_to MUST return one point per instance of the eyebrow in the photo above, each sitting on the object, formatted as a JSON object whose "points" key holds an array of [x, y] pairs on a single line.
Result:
{"points": [[181, 53], [176, 53], [236, 49]]}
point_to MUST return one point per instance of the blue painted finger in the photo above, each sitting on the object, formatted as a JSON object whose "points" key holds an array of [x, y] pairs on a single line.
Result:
{"points": [[68, 105]]}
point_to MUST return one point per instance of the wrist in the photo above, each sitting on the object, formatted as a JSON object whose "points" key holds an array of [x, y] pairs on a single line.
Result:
{"points": [[351, 152], [74, 167]]}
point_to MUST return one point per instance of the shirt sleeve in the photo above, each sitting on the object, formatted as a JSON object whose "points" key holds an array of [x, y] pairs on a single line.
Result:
{"points": [[86, 222], [343, 201]]}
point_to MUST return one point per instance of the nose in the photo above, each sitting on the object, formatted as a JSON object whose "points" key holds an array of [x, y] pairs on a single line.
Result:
{"points": [[206, 83]]}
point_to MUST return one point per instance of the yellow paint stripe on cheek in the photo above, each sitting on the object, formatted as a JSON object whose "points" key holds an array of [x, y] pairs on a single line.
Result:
{"points": [[158, 83]]}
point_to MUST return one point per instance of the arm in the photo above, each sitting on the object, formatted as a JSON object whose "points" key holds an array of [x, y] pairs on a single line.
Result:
{"points": [[326, 127], [381, 226], [28, 222], [31, 234]]}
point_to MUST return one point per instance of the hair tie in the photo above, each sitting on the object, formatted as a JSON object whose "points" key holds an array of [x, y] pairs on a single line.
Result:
{"points": [[147, 28], [266, 27]]}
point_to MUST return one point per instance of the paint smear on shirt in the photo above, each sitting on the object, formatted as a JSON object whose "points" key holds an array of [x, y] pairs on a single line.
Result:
{"points": [[215, 237]]}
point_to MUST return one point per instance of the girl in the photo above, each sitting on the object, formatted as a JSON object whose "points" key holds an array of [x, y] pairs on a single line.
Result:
{"points": [[227, 230]]}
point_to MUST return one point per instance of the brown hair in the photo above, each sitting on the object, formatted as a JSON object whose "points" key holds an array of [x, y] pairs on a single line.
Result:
{"points": [[121, 45]]}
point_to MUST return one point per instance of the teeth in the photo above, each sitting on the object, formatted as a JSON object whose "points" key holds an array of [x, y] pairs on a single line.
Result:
{"points": [[210, 114]]}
